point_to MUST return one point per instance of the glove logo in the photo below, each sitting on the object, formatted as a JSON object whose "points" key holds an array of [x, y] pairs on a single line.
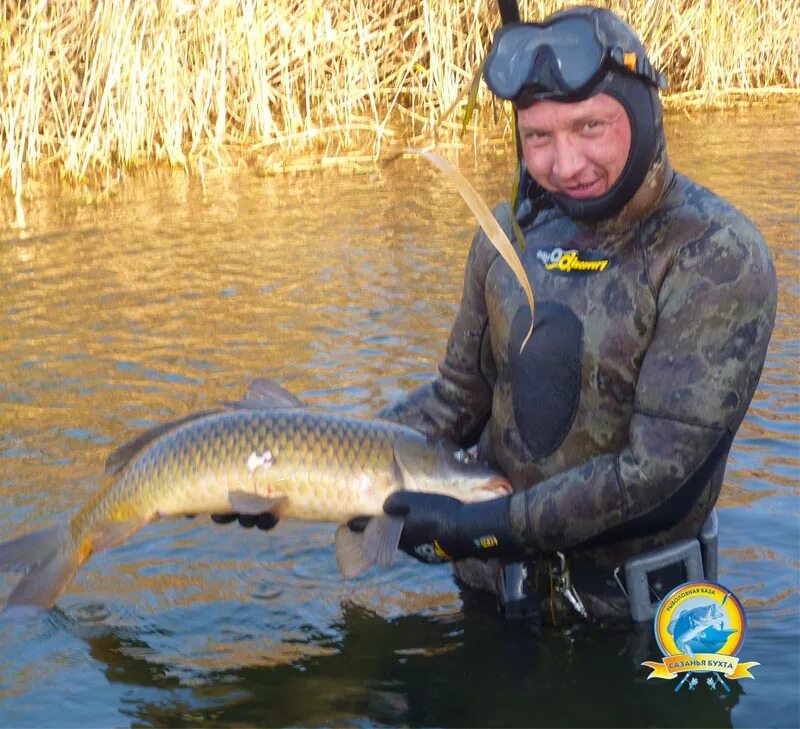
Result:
{"points": [[432, 553], [487, 542], [426, 553], [440, 553]]}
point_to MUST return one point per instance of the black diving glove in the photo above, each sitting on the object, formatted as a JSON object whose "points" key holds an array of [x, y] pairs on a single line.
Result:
{"points": [[264, 521], [440, 528]]}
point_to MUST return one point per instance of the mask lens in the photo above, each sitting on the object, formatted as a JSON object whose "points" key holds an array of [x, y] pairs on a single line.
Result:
{"points": [[558, 58], [577, 51]]}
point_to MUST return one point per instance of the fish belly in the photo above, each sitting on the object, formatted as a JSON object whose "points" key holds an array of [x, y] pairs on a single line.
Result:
{"points": [[335, 496]]}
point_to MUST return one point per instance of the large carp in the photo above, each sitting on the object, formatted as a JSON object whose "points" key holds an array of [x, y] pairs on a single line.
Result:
{"points": [[265, 453]]}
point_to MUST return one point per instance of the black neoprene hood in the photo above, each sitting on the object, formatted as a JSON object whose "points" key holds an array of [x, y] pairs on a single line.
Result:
{"points": [[624, 73], [643, 107]]}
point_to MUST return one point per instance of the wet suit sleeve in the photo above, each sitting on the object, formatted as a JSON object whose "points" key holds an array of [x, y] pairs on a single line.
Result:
{"points": [[457, 404], [716, 308]]}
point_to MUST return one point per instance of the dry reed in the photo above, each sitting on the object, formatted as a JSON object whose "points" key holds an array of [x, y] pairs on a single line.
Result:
{"points": [[95, 87]]}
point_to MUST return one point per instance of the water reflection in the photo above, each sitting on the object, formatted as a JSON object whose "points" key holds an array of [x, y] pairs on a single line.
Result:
{"points": [[169, 297], [400, 671]]}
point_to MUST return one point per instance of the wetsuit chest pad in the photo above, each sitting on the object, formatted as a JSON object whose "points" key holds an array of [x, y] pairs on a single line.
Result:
{"points": [[546, 375]]}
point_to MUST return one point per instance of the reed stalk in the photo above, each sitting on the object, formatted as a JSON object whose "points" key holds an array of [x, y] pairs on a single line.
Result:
{"points": [[92, 88]]}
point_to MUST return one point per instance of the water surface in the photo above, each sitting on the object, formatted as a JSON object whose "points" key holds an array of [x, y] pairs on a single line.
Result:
{"points": [[171, 295]]}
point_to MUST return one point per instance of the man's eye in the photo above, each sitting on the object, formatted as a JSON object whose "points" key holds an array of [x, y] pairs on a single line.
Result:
{"points": [[592, 124], [535, 136]]}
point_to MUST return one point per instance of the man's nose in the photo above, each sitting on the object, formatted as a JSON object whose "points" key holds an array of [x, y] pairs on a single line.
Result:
{"points": [[568, 159]]}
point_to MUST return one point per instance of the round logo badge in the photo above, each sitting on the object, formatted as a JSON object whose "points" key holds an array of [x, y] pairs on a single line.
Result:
{"points": [[700, 627], [700, 617]]}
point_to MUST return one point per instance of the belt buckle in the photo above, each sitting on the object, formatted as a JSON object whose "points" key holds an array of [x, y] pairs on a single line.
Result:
{"points": [[637, 569]]}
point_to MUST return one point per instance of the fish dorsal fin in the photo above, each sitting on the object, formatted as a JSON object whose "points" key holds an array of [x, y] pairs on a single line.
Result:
{"points": [[120, 457], [264, 394]]}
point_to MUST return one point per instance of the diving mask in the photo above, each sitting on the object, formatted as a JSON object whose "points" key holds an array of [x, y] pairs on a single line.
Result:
{"points": [[564, 58]]}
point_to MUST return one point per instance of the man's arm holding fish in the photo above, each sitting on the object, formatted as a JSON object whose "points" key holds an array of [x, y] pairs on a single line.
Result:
{"points": [[695, 384], [457, 406]]}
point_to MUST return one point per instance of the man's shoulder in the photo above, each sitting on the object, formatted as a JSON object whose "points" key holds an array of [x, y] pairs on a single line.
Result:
{"points": [[692, 215], [502, 213], [482, 252], [689, 203], [703, 238], [482, 248]]}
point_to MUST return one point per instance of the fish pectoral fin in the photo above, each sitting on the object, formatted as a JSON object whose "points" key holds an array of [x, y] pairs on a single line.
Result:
{"points": [[381, 537], [244, 502], [349, 552], [376, 546], [110, 533]]}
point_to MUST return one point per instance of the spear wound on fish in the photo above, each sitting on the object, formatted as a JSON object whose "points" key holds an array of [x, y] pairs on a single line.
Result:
{"points": [[486, 220], [256, 462], [222, 460]]}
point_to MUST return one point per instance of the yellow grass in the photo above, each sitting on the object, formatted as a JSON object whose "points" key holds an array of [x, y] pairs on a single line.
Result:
{"points": [[91, 88]]}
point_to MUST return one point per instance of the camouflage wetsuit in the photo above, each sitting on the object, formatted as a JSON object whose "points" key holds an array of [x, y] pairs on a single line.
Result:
{"points": [[614, 423]]}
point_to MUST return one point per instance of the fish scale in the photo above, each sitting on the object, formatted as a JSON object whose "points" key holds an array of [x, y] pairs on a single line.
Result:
{"points": [[219, 446], [302, 464]]}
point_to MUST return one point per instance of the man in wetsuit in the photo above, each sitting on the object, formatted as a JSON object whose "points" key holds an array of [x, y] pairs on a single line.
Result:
{"points": [[655, 301]]}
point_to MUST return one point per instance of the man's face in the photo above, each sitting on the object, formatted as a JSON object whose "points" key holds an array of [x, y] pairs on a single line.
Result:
{"points": [[577, 149]]}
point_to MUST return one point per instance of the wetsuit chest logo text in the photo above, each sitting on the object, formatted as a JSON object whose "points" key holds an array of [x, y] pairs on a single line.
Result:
{"points": [[571, 261]]}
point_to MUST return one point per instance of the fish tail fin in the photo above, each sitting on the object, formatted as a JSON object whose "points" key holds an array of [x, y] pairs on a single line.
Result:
{"points": [[30, 550], [49, 561], [375, 546]]}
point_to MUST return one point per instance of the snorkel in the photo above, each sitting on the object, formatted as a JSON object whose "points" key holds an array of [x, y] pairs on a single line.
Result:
{"points": [[575, 54]]}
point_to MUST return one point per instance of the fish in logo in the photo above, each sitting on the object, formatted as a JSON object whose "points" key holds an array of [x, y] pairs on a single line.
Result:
{"points": [[700, 629]]}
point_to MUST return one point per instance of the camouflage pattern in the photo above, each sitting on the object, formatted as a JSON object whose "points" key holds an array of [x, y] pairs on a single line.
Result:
{"points": [[673, 310]]}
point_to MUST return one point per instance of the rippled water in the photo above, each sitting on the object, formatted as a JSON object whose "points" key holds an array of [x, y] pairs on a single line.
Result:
{"points": [[170, 297]]}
